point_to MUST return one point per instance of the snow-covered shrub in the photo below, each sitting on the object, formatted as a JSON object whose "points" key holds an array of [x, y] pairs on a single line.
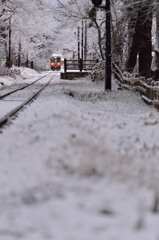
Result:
{"points": [[98, 72], [4, 71]]}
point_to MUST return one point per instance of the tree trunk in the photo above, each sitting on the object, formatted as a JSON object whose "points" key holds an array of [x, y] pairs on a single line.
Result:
{"points": [[26, 62], [140, 42], [99, 40], [10, 46], [155, 60], [19, 55], [32, 65], [133, 39], [145, 46]]}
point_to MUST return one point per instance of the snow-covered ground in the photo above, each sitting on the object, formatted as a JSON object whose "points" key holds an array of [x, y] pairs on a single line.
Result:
{"points": [[80, 164]]}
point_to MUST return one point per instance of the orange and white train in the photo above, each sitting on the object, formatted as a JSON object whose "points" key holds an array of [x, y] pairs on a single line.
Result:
{"points": [[55, 62]]}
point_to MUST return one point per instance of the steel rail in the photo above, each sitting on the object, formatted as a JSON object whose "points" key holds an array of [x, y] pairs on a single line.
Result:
{"points": [[6, 117], [21, 88]]}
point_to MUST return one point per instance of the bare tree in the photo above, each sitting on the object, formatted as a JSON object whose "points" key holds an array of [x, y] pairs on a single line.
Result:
{"points": [[140, 39], [155, 60], [23, 31]]}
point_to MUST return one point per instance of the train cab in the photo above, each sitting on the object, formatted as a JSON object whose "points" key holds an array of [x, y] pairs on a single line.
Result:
{"points": [[55, 62]]}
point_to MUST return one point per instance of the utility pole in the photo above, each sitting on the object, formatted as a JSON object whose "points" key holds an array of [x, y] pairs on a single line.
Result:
{"points": [[82, 32], [85, 41], [108, 56], [108, 60], [78, 41]]}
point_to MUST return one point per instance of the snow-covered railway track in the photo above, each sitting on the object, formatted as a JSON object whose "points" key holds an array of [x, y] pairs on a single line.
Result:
{"points": [[23, 87], [14, 110]]}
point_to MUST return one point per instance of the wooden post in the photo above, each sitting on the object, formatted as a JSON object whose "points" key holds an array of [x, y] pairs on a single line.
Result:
{"points": [[80, 64], [65, 65]]}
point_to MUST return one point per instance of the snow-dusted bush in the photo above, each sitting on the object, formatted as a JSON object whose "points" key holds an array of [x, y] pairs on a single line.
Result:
{"points": [[98, 72], [4, 71]]}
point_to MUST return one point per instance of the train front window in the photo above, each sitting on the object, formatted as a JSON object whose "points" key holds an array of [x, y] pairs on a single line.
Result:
{"points": [[55, 59]]}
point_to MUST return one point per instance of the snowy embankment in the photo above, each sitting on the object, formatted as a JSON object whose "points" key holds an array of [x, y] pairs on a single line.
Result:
{"points": [[81, 164], [24, 73], [6, 81]]}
